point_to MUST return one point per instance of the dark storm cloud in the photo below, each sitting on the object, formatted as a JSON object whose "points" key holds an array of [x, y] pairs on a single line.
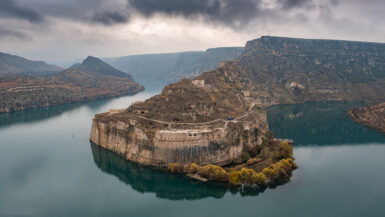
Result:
{"points": [[229, 12], [109, 18], [232, 13], [286, 4], [9, 8], [222, 11], [11, 34]]}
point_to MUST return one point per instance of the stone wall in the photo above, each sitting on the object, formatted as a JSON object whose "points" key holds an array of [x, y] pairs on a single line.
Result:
{"points": [[159, 147]]}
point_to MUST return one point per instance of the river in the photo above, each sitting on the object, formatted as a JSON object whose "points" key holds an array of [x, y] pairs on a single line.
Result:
{"points": [[49, 168]]}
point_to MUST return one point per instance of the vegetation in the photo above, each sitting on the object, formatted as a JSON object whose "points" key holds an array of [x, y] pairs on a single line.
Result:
{"points": [[278, 166], [286, 150], [280, 170], [252, 161], [176, 168], [213, 172]]}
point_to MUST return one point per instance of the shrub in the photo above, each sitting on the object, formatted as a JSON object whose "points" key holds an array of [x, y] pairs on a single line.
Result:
{"points": [[175, 168], [270, 173], [213, 172], [259, 178], [234, 178], [194, 168], [286, 150], [247, 176], [281, 169], [252, 161]]}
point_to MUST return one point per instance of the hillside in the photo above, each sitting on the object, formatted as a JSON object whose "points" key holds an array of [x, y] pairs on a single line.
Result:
{"points": [[168, 68], [370, 116], [11, 64], [93, 79], [287, 70]]}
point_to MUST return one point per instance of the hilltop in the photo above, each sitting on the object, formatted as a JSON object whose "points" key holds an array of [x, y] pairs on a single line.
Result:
{"points": [[93, 79], [11, 64]]}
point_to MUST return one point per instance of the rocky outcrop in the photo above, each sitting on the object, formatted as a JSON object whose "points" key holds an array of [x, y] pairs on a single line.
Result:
{"points": [[370, 116], [219, 143], [204, 120]]}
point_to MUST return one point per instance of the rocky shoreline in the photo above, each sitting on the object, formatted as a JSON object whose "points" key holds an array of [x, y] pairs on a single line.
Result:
{"points": [[371, 116]]}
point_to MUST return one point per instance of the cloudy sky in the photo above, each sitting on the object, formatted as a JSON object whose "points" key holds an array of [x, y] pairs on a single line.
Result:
{"points": [[62, 31]]}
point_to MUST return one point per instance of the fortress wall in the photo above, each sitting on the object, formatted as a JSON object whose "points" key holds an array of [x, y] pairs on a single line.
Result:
{"points": [[193, 146], [186, 138], [202, 146]]}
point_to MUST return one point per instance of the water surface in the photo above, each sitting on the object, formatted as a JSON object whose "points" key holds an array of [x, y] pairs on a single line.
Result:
{"points": [[49, 168]]}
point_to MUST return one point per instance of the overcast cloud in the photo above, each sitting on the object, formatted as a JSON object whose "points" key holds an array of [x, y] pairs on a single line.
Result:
{"points": [[61, 31]]}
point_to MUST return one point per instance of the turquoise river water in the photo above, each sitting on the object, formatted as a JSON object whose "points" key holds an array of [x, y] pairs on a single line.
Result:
{"points": [[48, 168]]}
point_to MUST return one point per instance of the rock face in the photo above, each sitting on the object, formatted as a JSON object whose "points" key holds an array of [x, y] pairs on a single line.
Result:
{"points": [[370, 116], [220, 142], [214, 117]]}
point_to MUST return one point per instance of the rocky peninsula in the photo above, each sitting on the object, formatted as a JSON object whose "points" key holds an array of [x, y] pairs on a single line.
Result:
{"points": [[207, 127], [214, 127], [371, 116]]}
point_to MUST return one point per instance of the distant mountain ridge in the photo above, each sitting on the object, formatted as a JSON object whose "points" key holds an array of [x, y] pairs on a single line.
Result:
{"points": [[171, 67], [11, 64], [93, 79]]}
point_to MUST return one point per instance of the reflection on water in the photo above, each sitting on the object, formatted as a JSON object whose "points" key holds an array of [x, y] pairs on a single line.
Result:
{"points": [[96, 106], [161, 182], [43, 113], [30, 116], [47, 168], [319, 124], [307, 124]]}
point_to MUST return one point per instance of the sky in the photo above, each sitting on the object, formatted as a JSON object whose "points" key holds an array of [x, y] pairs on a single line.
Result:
{"points": [[64, 31]]}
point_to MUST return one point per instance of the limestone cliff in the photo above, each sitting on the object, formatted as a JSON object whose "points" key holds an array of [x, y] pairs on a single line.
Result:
{"points": [[157, 143]]}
